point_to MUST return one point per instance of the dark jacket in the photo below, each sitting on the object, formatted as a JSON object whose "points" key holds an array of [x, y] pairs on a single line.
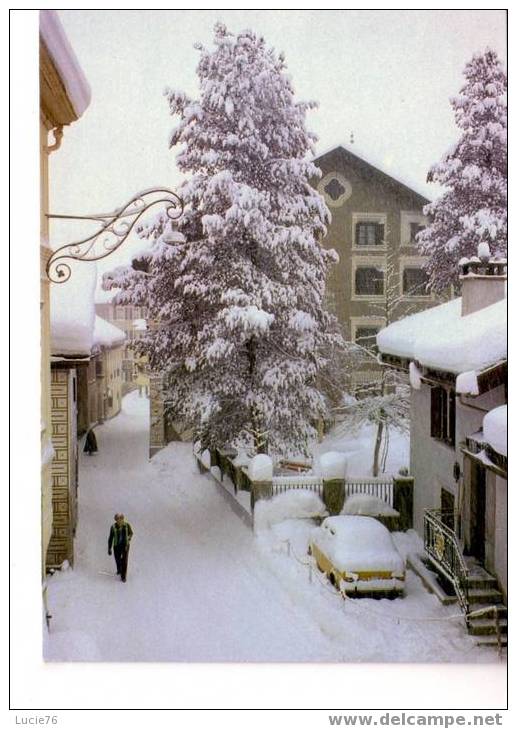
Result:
{"points": [[120, 536]]}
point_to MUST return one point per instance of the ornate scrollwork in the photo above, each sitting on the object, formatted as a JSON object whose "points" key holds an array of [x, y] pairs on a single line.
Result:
{"points": [[115, 228]]}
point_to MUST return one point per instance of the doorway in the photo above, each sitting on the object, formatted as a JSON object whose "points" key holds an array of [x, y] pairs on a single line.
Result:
{"points": [[477, 511]]}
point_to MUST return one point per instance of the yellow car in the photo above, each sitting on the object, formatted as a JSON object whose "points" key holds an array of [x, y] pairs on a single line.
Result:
{"points": [[359, 557]]}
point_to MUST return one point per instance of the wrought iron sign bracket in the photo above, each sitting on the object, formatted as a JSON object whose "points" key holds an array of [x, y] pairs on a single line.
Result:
{"points": [[115, 229]]}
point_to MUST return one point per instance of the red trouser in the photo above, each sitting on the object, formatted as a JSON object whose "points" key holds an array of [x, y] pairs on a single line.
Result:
{"points": [[121, 554]]}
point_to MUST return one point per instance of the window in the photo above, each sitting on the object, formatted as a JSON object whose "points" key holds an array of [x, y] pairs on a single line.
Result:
{"points": [[335, 189], [414, 282], [443, 415], [414, 229], [369, 234], [365, 336], [369, 281]]}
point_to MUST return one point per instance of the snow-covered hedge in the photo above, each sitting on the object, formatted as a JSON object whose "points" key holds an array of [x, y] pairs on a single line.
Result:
{"points": [[366, 505], [293, 504]]}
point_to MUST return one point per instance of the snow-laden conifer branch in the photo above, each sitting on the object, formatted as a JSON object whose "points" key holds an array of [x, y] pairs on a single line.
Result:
{"points": [[473, 208]]}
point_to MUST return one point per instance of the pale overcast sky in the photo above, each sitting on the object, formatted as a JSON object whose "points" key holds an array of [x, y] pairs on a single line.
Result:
{"points": [[385, 75]]}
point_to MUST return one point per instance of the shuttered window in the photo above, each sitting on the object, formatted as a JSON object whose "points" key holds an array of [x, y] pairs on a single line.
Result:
{"points": [[443, 415]]}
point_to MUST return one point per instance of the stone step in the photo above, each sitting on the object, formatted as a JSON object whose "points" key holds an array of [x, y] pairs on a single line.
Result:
{"points": [[492, 597], [501, 609], [492, 642], [487, 627], [479, 582]]}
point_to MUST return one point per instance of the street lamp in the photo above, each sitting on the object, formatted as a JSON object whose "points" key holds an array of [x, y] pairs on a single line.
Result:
{"points": [[115, 228]]}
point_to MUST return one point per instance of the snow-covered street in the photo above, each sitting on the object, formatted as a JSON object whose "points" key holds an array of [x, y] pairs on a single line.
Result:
{"points": [[201, 587]]}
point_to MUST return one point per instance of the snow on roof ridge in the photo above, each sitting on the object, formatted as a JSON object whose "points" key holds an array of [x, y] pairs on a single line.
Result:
{"points": [[106, 334], [378, 166], [65, 60]]}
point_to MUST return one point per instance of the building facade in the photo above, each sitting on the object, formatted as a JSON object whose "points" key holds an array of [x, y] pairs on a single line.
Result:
{"points": [[64, 96], [132, 321], [456, 355], [375, 219]]}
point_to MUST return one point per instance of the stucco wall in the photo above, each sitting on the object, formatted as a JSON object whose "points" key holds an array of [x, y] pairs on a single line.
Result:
{"points": [[370, 194], [431, 461]]}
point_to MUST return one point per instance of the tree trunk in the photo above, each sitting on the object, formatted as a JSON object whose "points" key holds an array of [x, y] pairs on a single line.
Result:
{"points": [[378, 441]]}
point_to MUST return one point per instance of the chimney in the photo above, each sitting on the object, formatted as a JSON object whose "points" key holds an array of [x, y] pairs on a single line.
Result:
{"points": [[483, 280]]}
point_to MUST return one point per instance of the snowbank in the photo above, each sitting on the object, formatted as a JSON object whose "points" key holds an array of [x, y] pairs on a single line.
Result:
{"points": [[333, 465], [440, 337], [495, 429], [293, 504], [358, 544], [366, 505], [72, 312], [260, 468], [106, 334]]}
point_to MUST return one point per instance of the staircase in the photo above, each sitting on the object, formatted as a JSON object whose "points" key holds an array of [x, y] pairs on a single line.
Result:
{"points": [[487, 619], [477, 591]]}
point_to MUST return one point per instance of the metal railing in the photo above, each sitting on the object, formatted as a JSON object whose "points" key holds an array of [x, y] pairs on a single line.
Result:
{"points": [[443, 549], [378, 486], [281, 484]]}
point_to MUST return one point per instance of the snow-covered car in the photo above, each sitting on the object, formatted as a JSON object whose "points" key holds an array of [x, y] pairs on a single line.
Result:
{"points": [[358, 555]]}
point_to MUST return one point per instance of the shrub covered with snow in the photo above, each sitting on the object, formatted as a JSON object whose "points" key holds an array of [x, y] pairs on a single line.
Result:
{"points": [[293, 504], [367, 505]]}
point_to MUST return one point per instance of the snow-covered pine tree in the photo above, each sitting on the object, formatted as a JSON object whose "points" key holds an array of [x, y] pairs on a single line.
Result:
{"points": [[474, 171], [242, 328]]}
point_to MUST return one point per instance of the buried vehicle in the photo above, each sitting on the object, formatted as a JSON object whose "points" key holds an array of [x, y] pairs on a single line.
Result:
{"points": [[359, 557]]}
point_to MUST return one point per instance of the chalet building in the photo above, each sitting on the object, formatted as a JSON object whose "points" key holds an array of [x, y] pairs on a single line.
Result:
{"points": [[375, 219], [132, 321], [456, 356], [64, 97]]}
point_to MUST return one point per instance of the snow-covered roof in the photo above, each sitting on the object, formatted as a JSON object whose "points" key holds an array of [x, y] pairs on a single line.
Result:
{"points": [[410, 185], [495, 429], [106, 334], [441, 338], [72, 312], [65, 60]]}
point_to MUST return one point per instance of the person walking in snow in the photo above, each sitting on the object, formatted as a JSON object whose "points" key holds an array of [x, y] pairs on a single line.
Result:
{"points": [[119, 539], [90, 444]]}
